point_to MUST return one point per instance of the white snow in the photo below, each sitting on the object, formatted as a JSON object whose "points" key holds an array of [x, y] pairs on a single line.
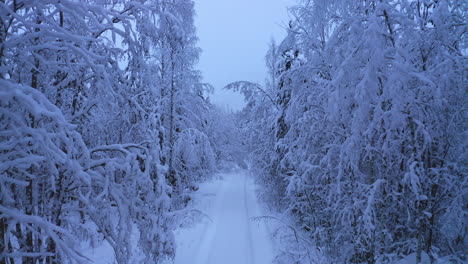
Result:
{"points": [[228, 232], [411, 259], [101, 254]]}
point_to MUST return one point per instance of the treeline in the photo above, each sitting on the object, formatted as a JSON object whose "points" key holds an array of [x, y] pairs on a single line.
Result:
{"points": [[360, 131], [104, 127]]}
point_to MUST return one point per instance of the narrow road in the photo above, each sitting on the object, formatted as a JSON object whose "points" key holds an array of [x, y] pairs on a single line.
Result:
{"points": [[228, 234]]}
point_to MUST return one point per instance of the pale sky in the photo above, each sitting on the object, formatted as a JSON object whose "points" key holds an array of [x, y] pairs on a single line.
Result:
{"points": [[234, 37]]}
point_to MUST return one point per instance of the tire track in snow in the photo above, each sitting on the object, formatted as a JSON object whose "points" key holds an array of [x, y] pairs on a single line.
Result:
{"points": [[251, 258], [232, 237], [209, 230]]}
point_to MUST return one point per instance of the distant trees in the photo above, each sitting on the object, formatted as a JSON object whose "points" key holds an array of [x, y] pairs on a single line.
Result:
{"points": [[366, 142], [99, 100], [225, 134]]}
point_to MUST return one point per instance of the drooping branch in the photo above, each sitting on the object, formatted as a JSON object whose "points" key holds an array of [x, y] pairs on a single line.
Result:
{"points": [[248, 89]]}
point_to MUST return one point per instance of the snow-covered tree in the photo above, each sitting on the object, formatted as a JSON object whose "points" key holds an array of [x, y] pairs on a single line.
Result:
{"points": [[369, 96], [115, 73], [184, 107]]}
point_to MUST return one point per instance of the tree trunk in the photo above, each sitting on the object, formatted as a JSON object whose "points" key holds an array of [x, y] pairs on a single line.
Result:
{"points": [[172, 174]]}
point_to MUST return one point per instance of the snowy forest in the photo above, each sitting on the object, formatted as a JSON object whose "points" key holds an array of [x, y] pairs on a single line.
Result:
{"points": [[357, 140]]}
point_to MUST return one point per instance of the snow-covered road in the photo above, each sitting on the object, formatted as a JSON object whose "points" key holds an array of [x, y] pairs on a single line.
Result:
{"points": [[231, 235]]}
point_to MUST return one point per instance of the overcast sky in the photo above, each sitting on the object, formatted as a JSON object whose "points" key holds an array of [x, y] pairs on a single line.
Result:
{"points": [[234, 37]]}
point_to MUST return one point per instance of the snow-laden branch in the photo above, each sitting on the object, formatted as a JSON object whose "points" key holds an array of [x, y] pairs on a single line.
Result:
{"points": [[249, 90]]}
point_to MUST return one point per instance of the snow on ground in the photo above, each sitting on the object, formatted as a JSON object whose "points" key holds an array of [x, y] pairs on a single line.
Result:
{"points": [[227, 233], [102, 254], [99, 251]]}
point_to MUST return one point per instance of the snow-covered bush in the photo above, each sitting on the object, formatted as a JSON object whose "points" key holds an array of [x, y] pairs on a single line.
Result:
{"points": [[194, 155], [129, 196], [42, 165]]}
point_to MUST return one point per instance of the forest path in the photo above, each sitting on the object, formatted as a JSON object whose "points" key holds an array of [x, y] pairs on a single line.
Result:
{"points": [[228, 234]]}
